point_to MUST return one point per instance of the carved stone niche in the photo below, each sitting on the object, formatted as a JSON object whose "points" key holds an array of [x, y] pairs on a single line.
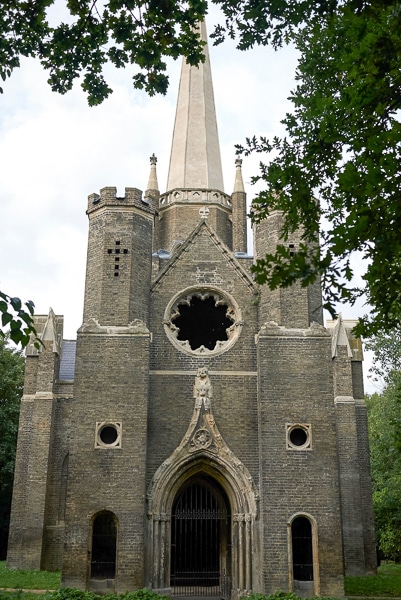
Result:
{"points": [[202, 321]]}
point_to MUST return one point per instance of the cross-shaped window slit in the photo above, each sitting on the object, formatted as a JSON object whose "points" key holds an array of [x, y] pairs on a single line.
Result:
{"points": [[117, 251]]}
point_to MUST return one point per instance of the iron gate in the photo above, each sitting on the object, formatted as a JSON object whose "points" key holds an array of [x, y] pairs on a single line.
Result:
{"points": [[200, 542]]}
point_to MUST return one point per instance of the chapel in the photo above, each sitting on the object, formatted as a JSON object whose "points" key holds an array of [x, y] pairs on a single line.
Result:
{"points": [[203, 435]]}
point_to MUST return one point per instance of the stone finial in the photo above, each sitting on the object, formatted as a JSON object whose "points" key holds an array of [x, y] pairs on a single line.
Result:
{"points": [[152, 183], [239, 183]]}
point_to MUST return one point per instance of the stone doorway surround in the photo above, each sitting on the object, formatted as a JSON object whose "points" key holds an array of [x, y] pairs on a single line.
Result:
{"points": [[203, 452]]}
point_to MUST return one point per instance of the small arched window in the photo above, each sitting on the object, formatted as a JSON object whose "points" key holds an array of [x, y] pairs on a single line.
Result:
{"points": [[104, 545]]}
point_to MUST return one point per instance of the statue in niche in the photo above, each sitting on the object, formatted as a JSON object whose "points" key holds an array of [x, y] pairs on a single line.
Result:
{"points": [[202, 388]]}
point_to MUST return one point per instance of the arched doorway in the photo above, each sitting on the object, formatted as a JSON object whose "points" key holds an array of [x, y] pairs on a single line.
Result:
{"points": [[200, 539], [305, 575], [104, 544], [302, 551]]}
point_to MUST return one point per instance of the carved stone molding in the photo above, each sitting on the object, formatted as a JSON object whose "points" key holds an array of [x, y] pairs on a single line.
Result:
{"points": [[220, 297], [136, 327]]}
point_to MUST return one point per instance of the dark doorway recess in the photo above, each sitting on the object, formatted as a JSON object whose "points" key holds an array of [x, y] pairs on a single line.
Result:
{"points": [[302, 549], [202, 322], [104, 542], [200, 539]]}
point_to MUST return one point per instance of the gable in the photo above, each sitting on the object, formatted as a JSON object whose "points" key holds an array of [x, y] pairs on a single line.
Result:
{"points": [[204, 260]]}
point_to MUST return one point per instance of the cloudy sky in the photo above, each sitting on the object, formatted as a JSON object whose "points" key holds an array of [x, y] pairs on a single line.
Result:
{"points": [[56, 150]]}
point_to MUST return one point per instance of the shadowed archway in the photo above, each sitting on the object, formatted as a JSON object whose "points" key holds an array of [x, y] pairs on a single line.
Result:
{"points": [[200, 539]]}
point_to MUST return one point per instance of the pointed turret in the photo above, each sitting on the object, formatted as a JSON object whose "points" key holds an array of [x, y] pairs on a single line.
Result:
{"points": [[153, 185], [239, 182], [195, 152], [152, 193]]}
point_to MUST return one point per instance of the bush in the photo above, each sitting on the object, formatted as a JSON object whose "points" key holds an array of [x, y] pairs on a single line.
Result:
{"points": [[275, 596], [74, 594]]}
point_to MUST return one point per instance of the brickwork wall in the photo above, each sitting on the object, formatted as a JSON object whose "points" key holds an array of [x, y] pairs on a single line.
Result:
{"points": [[357, 379], [111, 385], [295, 306], [177, 221], [56, 487], [18, 553], [31, 371], [295, 386], [353, 452], [368, 525], [351, 501], [239, 222], [35, 437], [342, 369]]}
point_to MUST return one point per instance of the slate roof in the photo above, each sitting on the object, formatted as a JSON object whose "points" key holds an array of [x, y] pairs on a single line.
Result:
{"points": [[67, 364]]}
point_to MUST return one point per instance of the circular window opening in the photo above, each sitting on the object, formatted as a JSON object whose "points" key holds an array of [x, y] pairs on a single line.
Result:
{"points": [[203, 321], [298, 436], [108, 434]]}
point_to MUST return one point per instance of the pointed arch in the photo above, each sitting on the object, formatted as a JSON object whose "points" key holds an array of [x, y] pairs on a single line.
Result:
{"points": [[237, 484]]}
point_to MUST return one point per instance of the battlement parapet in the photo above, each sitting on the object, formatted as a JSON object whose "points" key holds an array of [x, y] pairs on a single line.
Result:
{"points": [[108, 197]]}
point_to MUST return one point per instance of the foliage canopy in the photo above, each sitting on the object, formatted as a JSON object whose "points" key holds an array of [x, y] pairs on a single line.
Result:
{"points": [[11, 383], [18, 317], [134, 32], [384, 415], [340, 164]]}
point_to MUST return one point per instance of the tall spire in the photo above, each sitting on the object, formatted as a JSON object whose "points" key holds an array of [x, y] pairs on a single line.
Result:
{"points": [[195, 152]]}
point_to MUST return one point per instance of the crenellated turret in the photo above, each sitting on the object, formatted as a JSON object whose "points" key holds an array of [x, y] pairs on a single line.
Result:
{"points": [[119, 257]]}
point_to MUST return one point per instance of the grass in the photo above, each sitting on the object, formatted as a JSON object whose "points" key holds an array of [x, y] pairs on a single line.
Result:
{"points": [[19, 595], [386, 583], [28, 580]]}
